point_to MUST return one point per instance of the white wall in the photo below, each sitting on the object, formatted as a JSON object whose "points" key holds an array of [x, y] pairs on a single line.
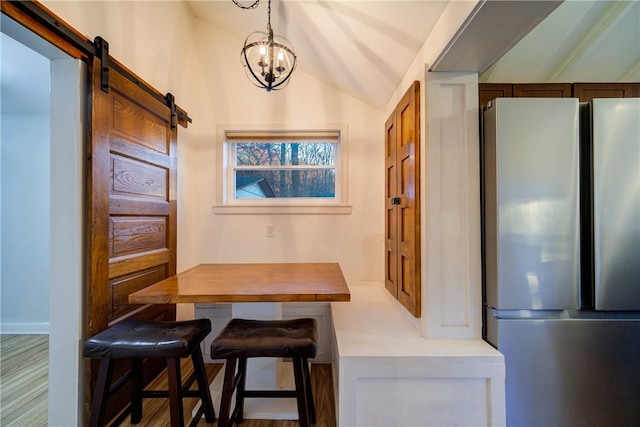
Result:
{"points": [[25, 189], [354, 240], [199, 64], [25, 223], [450, 191], [160, 50]]}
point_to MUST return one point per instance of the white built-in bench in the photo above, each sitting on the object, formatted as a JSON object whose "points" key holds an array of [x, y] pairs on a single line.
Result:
{"points": [[387, 374]]}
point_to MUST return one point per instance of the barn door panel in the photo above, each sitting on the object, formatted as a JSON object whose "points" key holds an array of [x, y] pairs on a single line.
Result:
{"points": [[132, 207]]}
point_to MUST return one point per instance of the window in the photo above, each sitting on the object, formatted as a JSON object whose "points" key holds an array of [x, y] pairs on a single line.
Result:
{"points": [[282, 171], [283, 168]]}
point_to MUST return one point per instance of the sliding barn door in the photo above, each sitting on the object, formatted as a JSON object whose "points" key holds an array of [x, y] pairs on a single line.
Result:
{"points": [[131, 187]]}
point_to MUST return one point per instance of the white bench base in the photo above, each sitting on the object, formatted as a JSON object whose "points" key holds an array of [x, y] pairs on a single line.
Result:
{"points": [[387, 374]]}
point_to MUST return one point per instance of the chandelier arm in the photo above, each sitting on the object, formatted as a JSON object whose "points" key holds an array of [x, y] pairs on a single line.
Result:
{"points": [[285, 47], [286, 79], [256, 78]]}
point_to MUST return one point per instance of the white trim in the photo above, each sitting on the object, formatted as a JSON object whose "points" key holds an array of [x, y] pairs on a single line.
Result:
{"points": [[451, 272], [24, 328], [66, 297], [277, 210], [268, 135], [332, 205]]}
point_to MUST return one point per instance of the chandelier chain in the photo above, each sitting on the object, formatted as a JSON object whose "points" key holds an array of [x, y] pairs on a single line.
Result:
{"points": [[251, 6]]}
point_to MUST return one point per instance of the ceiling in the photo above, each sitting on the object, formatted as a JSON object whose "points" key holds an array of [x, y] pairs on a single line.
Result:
{"points": [[364, 47], [581, 41]]}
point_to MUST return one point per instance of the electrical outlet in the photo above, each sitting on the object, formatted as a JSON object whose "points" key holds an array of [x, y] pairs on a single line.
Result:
{"points": [[269, 230]]}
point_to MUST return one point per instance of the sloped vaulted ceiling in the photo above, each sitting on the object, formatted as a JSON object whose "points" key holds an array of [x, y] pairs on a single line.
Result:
{"points": [[364, 47], [581, 41]]}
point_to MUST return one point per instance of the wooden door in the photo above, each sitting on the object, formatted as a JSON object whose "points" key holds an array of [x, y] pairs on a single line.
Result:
{"points": [[402, 201], [131, 187], [391, 189], [408, 190]]}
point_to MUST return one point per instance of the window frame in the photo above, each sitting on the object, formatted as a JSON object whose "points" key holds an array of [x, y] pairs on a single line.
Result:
{"points": [[226, 203]]}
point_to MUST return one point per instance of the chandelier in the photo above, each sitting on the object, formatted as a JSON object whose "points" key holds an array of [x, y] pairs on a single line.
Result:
{"points": [[268, 60]]}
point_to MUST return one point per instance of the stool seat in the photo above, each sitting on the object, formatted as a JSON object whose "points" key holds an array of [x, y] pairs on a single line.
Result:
{"points": [[242, 338], [137, 340], [134, 338]]}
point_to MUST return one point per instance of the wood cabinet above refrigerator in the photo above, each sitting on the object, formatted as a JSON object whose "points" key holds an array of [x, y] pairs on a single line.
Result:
{"points": [[585, 92]]}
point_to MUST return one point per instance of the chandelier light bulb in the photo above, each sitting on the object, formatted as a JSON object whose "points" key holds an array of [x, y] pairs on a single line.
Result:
{"points": [[280, 64], [263, 61]]}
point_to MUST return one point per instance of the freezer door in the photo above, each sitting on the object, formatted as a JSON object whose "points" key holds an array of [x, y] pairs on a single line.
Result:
{"points": [[616, 198], [571, 372], [531, 203]]}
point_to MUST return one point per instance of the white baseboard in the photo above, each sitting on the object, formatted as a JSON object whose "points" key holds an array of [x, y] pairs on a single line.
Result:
{"points": [[24, 328]]}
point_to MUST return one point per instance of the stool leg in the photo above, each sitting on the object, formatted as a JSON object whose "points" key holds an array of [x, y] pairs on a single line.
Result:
{"points": [[301, 392], [136, 391], [238, 412], [307, 380], [203, 385], [227, 393], [101, 393], [175, 392]]}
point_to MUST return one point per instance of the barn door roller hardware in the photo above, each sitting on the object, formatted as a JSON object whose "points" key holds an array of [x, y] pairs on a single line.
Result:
{"points": [[102, 50], [171, 102]]}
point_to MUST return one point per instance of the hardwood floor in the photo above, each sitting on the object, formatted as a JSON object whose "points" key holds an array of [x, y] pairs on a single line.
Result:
{"points": [[156, 411], [24, 382]]}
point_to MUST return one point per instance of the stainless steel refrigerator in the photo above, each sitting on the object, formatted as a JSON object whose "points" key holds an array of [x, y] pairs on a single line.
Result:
{"points": [[561, 257]]}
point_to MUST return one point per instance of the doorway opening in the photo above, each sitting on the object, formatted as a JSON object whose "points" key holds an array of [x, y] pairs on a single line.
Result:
{"points": [[41, 211]]}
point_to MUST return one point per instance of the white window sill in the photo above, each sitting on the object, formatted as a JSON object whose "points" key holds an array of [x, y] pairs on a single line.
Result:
{"points": [[279, 210]]}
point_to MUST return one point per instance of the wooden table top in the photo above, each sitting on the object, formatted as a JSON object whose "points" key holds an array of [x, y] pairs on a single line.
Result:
{"points": [[211, 283]]}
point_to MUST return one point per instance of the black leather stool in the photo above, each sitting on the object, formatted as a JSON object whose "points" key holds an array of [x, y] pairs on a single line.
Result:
{"points": [[242, 339], [143, 339]]}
